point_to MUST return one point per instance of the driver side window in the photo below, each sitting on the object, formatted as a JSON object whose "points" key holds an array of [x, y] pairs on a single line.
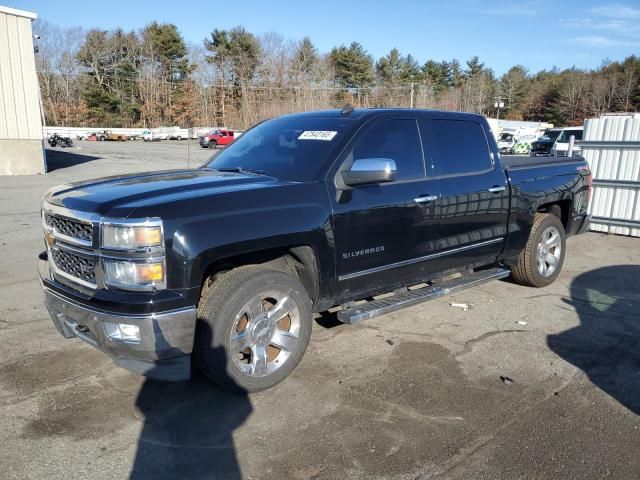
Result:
{"points": [[395, 139]]}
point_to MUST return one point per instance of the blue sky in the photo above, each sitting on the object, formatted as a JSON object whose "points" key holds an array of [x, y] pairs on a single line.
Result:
{"points": [[539, 34]]}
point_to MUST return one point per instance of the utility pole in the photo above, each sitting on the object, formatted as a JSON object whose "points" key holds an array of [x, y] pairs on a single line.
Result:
{"points": [[411, 95], [498, 104]]}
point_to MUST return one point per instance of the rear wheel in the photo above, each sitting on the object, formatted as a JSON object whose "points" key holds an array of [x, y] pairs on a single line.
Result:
{"points": [[254, 325], [541, 260]]}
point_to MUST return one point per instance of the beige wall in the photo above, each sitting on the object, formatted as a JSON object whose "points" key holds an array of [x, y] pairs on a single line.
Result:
{"points": [[21, 149]]}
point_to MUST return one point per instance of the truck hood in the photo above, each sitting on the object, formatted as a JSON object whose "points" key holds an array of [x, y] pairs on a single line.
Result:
{"points": [[120, 196]]}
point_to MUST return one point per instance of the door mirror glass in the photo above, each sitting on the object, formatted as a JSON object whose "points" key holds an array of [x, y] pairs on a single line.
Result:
{"points": [[370, 170]]}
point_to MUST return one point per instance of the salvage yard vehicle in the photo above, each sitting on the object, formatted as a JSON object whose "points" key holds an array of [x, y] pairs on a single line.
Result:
{"points": [[372, 210], [542, 146], [561, 146], [58, 140], [506, 141], [108, 135], [216, 138]]}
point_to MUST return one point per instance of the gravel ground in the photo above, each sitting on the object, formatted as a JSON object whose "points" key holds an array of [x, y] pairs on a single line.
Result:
{"points": [[528, 383]]}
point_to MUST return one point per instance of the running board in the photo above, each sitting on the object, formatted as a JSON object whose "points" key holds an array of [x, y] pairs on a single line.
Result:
{"points": [[375, 308]]}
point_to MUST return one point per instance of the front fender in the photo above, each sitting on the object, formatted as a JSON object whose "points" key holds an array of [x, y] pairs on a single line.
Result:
{"points": [[266, 220]]}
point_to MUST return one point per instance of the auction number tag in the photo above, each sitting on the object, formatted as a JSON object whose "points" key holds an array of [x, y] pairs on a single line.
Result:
{"points": [[317, 135]]}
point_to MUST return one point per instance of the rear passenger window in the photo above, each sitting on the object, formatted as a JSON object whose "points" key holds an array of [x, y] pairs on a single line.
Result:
{"points": [[397, 140], [458, 146]]}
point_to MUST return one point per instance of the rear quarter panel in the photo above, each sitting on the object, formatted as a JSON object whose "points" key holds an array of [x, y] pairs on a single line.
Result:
{"points": [[532, 187]]}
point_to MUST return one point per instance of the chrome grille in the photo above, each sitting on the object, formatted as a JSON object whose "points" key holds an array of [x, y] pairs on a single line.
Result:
{"points": [[77, 266], [70, 228]]}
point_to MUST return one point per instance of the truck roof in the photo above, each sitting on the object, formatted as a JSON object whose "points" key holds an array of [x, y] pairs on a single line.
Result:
{"points": [[365, 113]]}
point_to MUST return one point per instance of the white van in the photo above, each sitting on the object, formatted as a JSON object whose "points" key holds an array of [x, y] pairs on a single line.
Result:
{"points": [[561, 146]]}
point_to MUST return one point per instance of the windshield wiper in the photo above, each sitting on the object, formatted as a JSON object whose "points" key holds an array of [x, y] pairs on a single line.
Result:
{"points": [[241, 170]]}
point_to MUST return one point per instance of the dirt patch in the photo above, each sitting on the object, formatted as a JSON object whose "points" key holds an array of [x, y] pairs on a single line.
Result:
{"points": [[85, 411], [67, 400], [32, 373]]}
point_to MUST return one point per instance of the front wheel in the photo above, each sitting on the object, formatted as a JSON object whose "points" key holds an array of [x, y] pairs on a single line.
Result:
{"points": [[541, 260], [213, 144], [253, 328]]}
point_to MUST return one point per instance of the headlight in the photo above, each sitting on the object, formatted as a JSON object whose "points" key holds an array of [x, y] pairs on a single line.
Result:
{"points": [[134, 275], [131, 237]]}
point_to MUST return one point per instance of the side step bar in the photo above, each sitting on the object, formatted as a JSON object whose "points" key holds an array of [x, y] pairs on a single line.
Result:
{"points": [[375, 308]]}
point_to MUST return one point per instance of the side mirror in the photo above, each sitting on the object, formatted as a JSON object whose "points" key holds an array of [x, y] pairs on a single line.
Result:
{"points": [[370, 170]]}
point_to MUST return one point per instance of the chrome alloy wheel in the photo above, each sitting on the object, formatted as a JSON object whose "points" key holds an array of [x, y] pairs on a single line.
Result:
{"points": [[265, 334], [549, 250]]}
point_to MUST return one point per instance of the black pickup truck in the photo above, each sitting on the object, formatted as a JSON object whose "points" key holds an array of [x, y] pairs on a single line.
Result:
{"points": [[229, 262]]}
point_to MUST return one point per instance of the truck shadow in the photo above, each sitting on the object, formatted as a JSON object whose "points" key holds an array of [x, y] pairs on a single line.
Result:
{"points": [[59, 159], [188, 430], [605, 344]]}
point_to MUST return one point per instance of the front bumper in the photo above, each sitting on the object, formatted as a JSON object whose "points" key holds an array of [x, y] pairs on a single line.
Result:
{"points": [[166, 338]]}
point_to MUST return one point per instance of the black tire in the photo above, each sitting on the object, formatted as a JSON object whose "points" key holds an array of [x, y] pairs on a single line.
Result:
{"points": [[213, 144], [222, 303], [527, 270]]}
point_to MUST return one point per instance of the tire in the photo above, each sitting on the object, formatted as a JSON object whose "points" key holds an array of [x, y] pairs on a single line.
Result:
{"points": [[213, 144], [535, 267], [224, 312]]}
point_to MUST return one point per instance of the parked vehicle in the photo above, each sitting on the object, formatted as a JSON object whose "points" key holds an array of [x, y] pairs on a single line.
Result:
{"points": [[303, 213], [542, 146], [517, 140], [179, 134], [216, 138], [92, 137], [506, 141], [110, 136], [58, 140], [147, 136], [561, 146]]}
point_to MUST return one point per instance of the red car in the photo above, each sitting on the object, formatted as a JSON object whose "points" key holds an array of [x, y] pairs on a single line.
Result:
{"points": [[215, 138]]}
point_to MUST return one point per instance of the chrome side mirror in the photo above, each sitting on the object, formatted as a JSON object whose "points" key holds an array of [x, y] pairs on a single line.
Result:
{"points": [[370, 170]]}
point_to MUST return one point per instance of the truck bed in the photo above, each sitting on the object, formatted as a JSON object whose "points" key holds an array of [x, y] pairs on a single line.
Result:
{"points": [[512, 162]]}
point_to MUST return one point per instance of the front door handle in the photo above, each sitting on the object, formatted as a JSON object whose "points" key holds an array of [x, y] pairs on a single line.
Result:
{"points": [[425, 198], [497, 189]]}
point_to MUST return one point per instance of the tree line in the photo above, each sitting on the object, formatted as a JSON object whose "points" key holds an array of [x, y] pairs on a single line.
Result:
{"points": [[153, 77]]}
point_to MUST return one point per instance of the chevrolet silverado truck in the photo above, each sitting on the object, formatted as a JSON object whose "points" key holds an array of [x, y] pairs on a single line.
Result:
{"points": [[368, 210]]}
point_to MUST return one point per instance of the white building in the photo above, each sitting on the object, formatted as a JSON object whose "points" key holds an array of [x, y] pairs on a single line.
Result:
{"points": [[21, 144]]}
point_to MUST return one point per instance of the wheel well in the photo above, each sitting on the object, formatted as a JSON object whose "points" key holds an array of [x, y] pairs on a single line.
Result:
{"points": [[560, 209], [299, 261]]}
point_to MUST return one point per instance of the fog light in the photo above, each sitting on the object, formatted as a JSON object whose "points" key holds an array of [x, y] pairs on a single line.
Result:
{"points": [[122, 332]]}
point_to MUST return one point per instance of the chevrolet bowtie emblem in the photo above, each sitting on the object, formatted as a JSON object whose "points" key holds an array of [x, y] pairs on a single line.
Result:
{"points": [[49, 238]]}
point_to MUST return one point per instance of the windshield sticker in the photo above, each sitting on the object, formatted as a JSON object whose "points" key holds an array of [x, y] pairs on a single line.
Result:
{"points": [[317, 135]]}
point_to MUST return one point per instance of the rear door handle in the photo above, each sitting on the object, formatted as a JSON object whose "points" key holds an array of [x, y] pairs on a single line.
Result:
{"points": [[425, 198], [497, 189]]}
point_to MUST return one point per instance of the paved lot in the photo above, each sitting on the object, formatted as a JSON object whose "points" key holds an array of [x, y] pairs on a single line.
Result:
{"points": [[414, 394]]}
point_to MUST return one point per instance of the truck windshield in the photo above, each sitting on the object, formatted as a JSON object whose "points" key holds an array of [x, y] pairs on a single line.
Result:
{"points": [[550, 135], [506, 137], [289, 148]]}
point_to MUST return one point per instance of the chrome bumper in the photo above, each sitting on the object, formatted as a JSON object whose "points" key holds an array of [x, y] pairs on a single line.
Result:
{"points": [[166, 338]]}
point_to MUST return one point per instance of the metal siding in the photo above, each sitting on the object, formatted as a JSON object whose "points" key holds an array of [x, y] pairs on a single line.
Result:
{"points": [[614, 203], [19, 92]]}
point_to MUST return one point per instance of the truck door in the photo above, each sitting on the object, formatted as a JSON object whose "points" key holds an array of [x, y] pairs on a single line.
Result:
{"points": [[381, 230], [474, 204]]}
